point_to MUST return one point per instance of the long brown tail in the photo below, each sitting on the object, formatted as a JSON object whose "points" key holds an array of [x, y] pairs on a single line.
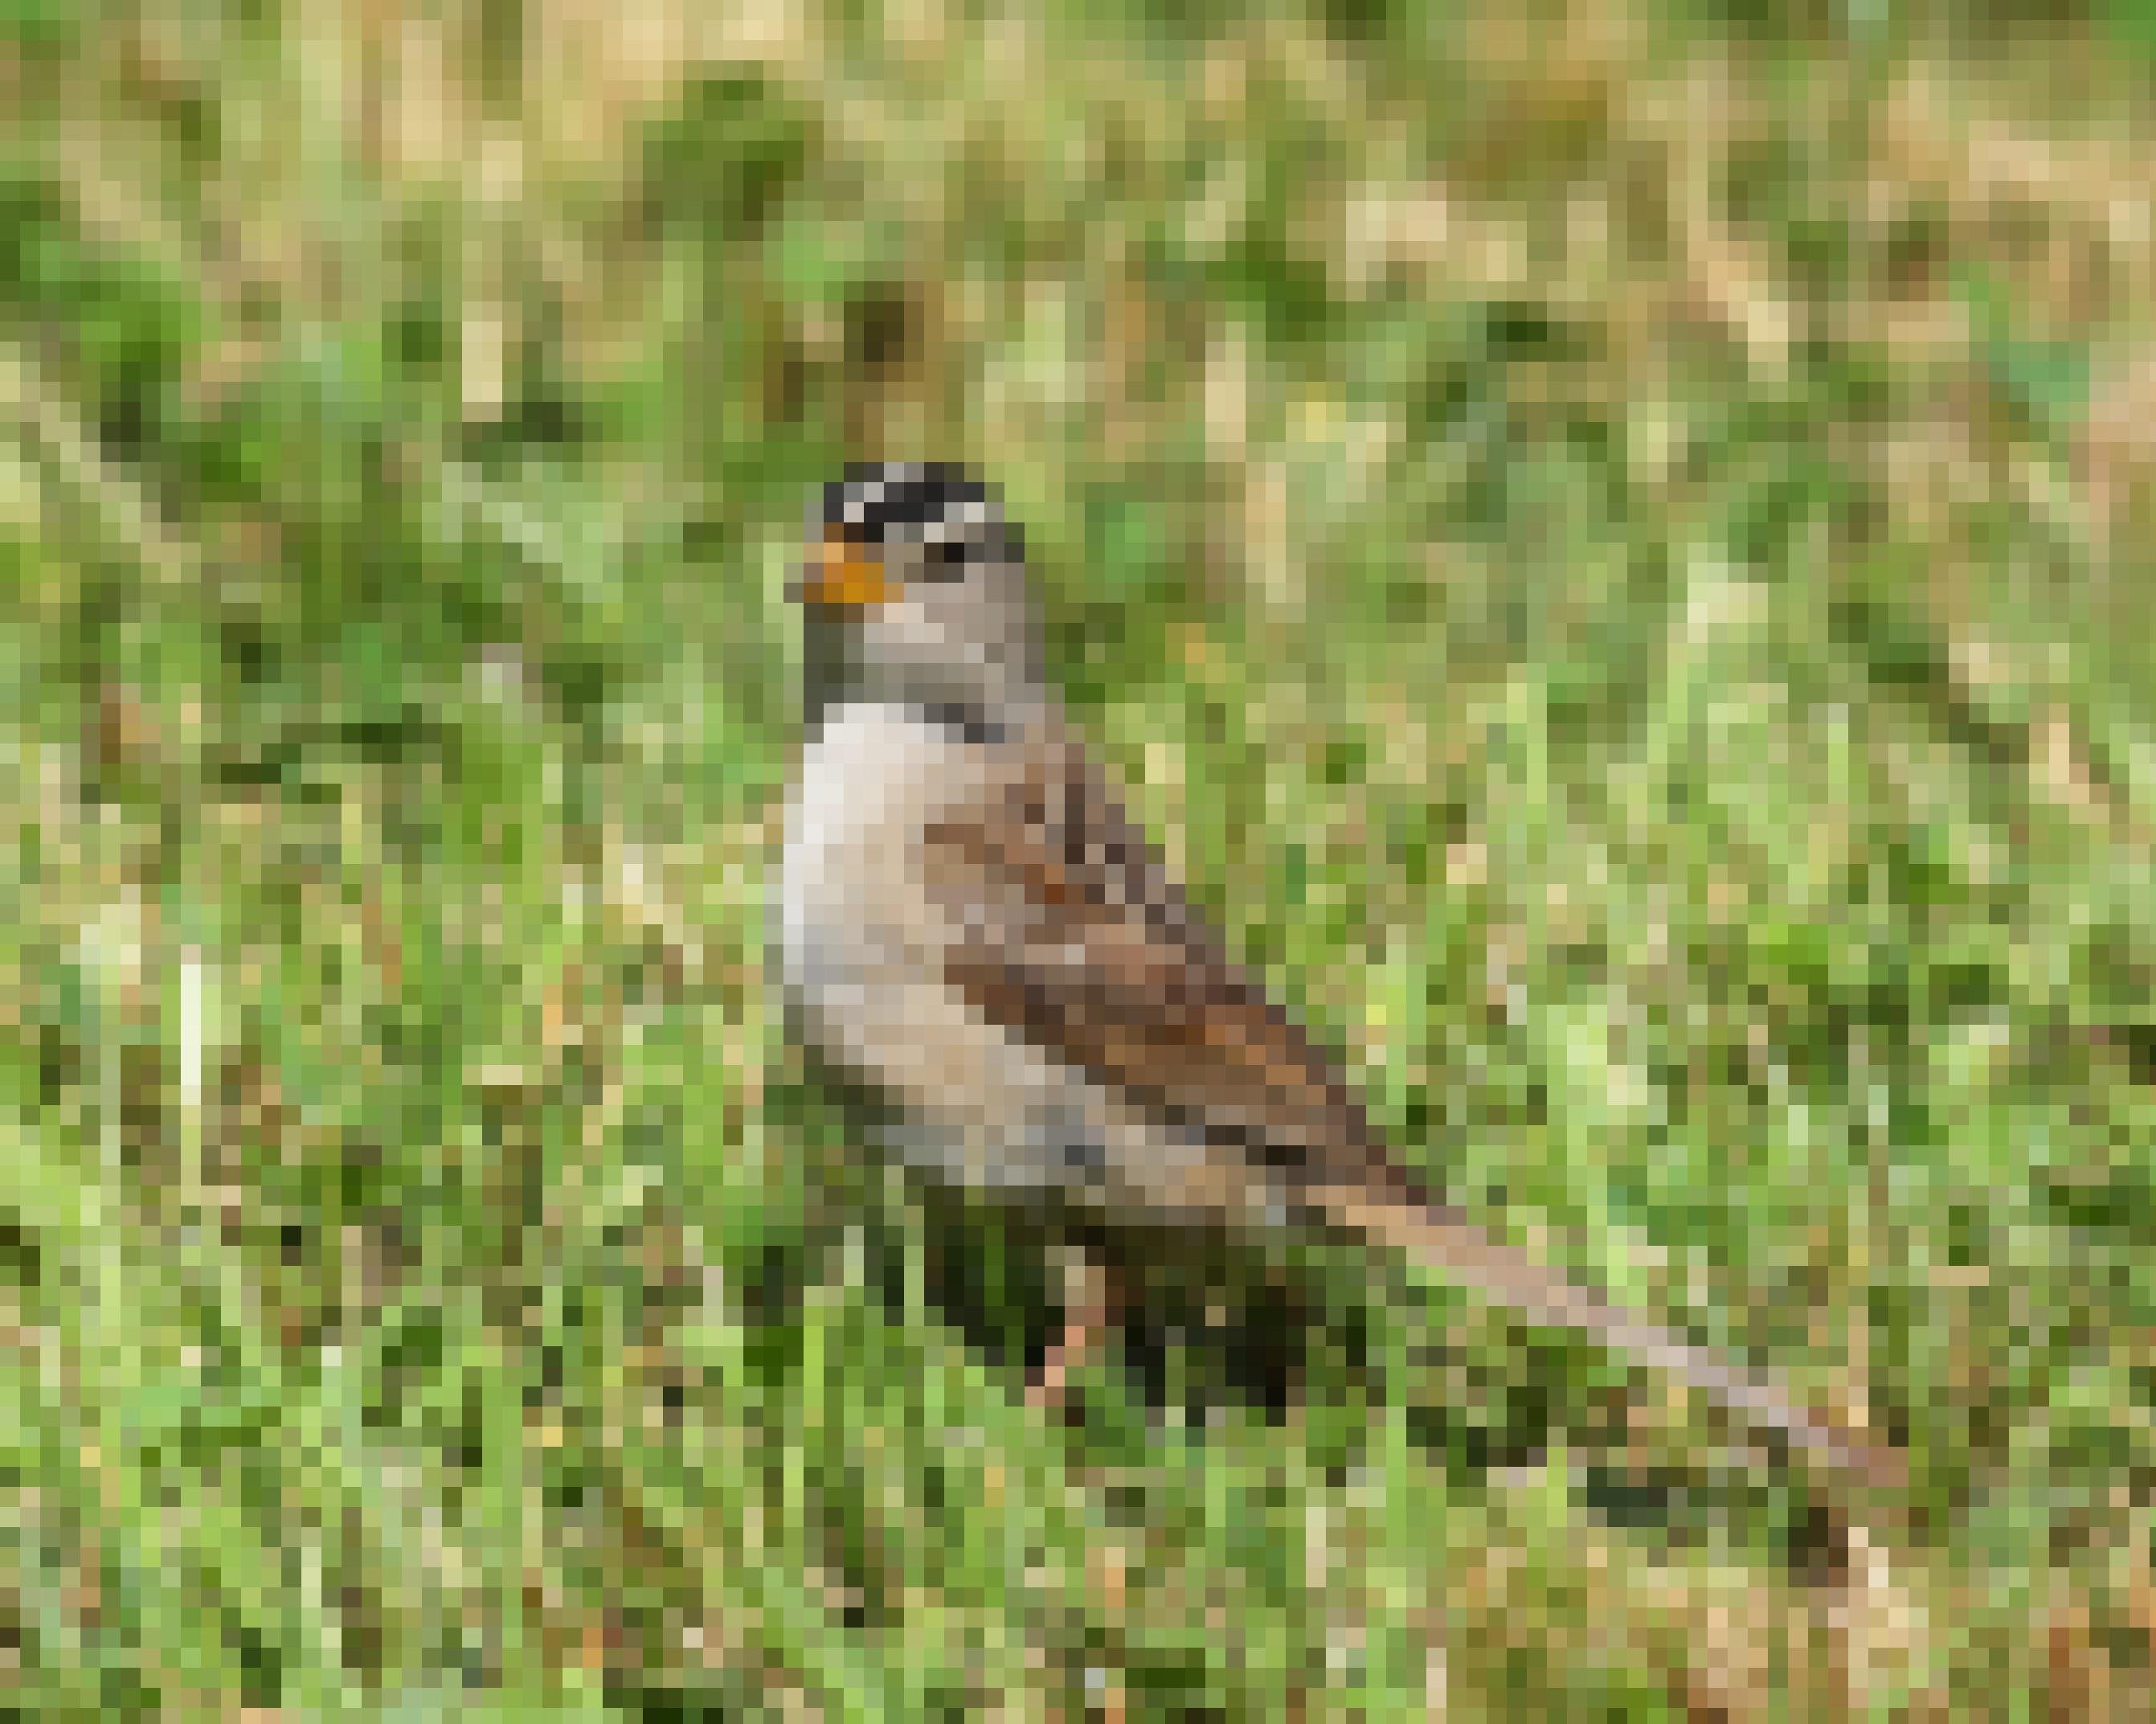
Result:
{"points": [[1450, 1245]]}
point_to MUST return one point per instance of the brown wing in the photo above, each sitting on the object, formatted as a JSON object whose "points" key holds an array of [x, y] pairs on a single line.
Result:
{"points": [[1081, 941]]}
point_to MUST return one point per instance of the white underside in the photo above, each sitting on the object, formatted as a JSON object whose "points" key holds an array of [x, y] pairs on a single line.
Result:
{"points": [[862, 941]]}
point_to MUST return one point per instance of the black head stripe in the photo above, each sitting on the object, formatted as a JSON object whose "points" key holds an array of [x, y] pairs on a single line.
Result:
{"points": [[878, 501]]}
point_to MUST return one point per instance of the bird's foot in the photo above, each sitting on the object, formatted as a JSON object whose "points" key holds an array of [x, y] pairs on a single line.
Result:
{"points": [[1088, 1311]]}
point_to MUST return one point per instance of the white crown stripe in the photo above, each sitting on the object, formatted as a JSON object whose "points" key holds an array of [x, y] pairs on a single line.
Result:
{"points": [[919, 503]]}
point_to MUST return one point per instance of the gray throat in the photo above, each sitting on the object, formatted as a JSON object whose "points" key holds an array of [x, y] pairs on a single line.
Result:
{"points": [[835, 675]]}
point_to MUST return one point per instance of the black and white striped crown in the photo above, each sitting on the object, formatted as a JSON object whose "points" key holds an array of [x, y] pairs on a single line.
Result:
{"points": [[917, 503]]}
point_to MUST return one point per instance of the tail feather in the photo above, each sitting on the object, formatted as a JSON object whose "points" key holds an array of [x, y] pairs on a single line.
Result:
{"points": [[1449, 1244]]}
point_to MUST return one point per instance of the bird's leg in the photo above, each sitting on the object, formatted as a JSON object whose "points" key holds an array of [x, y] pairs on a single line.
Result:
{"points": [[1089, 1308]]}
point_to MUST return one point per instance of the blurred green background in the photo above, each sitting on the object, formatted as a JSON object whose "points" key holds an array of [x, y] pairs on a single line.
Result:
{"points": [[1612, 547]]}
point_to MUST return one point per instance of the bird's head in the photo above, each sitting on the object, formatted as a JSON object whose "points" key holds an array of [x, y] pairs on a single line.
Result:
{"points": [[915, 590]]}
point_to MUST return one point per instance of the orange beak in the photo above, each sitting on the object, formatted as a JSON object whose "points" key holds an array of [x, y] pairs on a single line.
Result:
{"points": [[845, 575]]}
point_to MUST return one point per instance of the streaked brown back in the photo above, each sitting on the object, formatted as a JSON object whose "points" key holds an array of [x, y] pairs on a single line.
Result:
{"points": [[1081, 939]]}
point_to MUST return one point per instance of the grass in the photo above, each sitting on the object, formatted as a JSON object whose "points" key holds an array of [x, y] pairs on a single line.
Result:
{"points": [[1607, 549]]}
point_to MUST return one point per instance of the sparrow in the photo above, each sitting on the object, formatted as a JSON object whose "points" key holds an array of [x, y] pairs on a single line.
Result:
{"points": [[971, 922]]}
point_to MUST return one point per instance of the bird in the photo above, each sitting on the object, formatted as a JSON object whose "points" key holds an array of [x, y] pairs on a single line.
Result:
{"points": [[971, 924]]}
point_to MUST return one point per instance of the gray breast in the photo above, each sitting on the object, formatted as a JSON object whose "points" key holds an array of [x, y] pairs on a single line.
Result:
{"points": [[850, 909], [862, 942]]}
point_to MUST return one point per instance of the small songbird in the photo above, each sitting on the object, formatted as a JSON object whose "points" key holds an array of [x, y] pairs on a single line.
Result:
{"points": [[971, 922]]}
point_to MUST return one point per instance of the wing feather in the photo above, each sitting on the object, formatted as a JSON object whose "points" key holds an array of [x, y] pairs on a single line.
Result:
{"points": [[1079, 939]]}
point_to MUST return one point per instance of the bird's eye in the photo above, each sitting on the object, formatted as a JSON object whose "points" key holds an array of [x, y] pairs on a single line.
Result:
{"points": [[944, 559]]}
